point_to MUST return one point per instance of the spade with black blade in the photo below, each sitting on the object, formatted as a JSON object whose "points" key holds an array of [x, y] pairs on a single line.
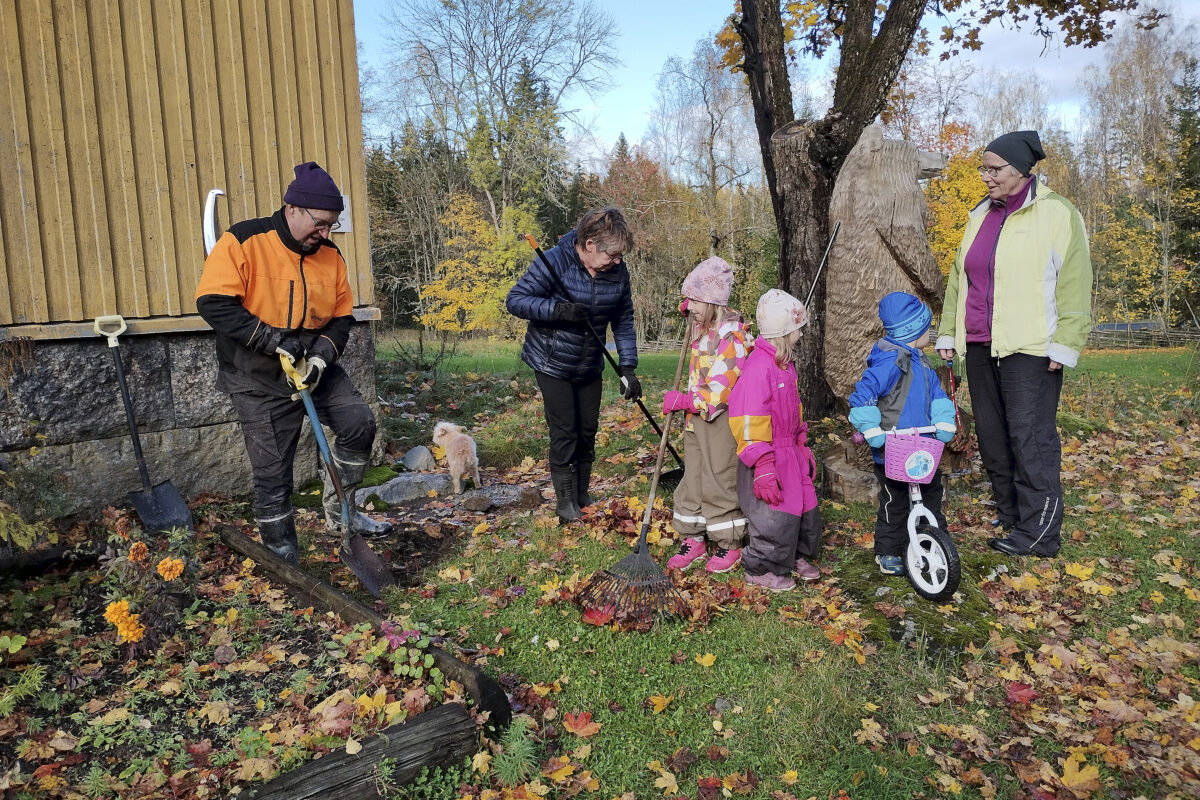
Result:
{"points": [[159, 506], [355, 553]]}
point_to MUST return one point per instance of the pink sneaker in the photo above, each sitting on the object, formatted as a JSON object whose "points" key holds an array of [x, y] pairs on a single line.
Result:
{"points": [[806, 571], [772, 582], [723, 560], [690, 549]]}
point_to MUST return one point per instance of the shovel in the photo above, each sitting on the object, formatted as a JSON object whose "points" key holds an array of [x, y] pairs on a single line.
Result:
{"points": [[159, 506], [355, 553]]}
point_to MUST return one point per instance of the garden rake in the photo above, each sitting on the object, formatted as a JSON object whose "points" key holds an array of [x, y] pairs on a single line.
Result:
{"points": [[636, 587]]}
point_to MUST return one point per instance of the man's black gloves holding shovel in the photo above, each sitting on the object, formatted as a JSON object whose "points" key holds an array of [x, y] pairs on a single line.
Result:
{"points": [[631, 387], [571, 312]]}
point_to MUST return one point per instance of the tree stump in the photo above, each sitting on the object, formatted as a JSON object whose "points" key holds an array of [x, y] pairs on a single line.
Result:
{"points": [[846, 476]]}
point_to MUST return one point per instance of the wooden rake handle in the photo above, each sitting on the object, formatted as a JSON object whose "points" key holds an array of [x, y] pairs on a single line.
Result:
{"points": [[662, 445]]}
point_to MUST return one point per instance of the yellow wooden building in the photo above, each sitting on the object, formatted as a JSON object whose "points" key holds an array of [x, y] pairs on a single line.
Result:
{"points": [[117, 119], [121, 115]]}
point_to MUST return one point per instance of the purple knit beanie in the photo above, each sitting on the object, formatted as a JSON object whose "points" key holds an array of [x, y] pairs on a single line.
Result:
{"points": [[710, 282], [313, 188]]}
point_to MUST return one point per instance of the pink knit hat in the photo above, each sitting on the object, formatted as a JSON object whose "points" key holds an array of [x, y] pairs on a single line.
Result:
{"points": [[710, 282], [779, 314]]}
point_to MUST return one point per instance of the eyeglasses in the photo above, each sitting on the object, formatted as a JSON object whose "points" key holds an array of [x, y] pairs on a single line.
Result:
{"points": [[322, 224], [992, 171]]}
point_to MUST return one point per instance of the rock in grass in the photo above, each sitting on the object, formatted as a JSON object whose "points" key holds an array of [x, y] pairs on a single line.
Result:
{"points": [[406, 488], [419, 459]]}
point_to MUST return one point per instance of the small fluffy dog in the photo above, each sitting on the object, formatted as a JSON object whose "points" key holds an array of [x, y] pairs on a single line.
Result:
{"points": [[460, 453]]}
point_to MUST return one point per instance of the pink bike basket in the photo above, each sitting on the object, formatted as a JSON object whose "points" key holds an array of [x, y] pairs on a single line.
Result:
{"points": [[911, 458]]}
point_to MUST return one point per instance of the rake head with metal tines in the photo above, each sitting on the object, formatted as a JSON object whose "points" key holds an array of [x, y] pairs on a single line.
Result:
{"points": [[634, 588]]}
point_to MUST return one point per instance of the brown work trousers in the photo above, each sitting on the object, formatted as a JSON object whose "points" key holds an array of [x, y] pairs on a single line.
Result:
{"points": [[706, 502]]}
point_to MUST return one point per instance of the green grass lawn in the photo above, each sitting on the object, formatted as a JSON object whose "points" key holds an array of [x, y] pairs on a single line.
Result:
{"points": [[1073, 677]]}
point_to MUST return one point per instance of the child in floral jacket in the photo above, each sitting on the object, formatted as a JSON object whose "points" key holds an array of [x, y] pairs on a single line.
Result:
{"points": [[706, 502], [775, 476]]}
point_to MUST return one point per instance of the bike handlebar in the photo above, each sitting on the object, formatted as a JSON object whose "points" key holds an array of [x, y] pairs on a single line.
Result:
{"points": [[858, 437], [905, 431]]}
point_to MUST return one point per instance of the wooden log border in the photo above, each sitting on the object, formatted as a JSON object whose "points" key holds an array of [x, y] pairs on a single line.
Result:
{"points": [[438, 737]]}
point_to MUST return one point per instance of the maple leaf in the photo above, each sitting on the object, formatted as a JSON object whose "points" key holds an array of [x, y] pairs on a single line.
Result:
{"points": [[1079, 571], [581, 724], [790, 777], [1080, 782], [335, 719], [416, 700], [1021, 693], [871, 733], [658, 702], [739, 783], [681, 759], [665, 780], [710, 787], [216, 712], [706, 660], [255, 769], [558, 769], [599, 616], [1172, 579], [717, 752]]}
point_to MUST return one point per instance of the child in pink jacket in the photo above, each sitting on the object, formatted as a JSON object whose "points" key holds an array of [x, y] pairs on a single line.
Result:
{"points": [[706, 502], [775, 477]]}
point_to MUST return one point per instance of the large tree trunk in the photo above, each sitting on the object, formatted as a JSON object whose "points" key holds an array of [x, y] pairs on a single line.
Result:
{"points": [[802, 160]]}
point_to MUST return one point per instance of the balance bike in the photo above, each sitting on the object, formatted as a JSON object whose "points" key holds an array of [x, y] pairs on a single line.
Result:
{"points": [[931, 560]]}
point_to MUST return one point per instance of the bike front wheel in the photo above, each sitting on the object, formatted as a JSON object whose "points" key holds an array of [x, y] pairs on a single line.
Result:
{"points": [[932, 565]]}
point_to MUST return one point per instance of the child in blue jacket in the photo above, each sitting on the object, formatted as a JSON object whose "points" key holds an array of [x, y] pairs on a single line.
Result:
{"points": [[900, 390]]}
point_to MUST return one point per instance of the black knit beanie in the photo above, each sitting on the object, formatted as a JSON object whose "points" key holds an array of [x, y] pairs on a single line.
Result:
{"points": [[1021, 149]]}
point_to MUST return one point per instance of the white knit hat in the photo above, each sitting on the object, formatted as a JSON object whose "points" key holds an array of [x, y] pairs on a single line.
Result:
{"points": [[779, 314], [710, 282]]}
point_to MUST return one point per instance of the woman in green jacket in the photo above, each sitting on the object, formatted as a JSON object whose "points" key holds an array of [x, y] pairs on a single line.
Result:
{"points": [[1018, 306]]}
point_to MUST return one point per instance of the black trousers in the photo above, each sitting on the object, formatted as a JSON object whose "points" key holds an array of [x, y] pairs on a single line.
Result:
{"points": [[1015, 401], [271, 426], [891, 520], [573, 415]]}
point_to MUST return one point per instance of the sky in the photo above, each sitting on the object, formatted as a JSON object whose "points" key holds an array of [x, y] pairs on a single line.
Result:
{"points": [[652, 31]]}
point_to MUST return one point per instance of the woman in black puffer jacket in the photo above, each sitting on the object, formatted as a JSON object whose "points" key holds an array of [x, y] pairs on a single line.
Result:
{"points": [[564, 355]]}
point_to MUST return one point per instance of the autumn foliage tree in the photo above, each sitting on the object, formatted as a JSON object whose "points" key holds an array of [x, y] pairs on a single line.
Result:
{"points": [[953, 194], [802, 158]]}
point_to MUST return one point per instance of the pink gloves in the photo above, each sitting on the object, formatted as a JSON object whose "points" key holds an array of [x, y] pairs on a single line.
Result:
{"points": [[802, 435], [766, 483], [678, 401]]}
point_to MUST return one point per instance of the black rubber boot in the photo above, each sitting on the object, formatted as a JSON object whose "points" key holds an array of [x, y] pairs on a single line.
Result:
{"points": [[277, 527], [566, 506], [583, 480], [350, 467]]}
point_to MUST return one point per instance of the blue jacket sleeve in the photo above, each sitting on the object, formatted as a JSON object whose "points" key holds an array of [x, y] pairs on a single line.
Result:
{"points": [[534, 296], [623, 329]]}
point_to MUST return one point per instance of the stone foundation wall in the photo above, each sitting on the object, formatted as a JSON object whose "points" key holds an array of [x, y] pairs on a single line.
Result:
{"points": [[61, 413]]}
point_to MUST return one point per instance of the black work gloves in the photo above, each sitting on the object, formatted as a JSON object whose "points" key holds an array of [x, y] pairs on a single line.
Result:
{"points": [[571, 312], [289, 345], [631, 387]]}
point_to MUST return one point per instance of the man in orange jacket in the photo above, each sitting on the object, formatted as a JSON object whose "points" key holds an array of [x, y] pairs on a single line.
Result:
{"points": [[277, 286]]}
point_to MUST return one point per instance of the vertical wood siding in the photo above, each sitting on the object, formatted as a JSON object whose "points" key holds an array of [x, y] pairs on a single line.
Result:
{"points": [[116, 118]]}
